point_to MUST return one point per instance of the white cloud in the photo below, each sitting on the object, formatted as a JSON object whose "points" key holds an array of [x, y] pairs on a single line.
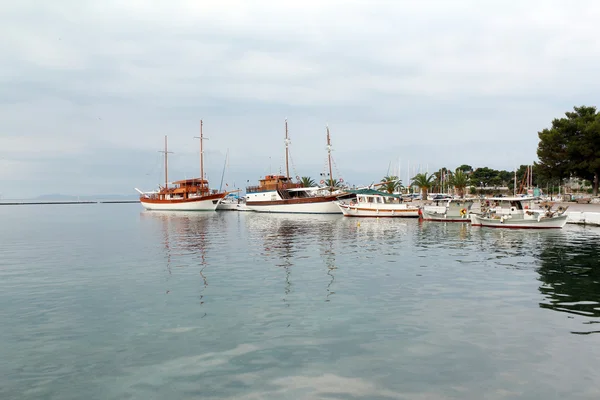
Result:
{"points": [[384, 74]]}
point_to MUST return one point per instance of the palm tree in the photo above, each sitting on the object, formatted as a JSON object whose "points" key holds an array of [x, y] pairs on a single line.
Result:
{"points": [[307, 181], [332, 183], [391, 183], [460, 180], [424, 182]]}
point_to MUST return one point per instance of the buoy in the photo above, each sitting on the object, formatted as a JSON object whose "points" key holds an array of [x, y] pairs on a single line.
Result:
{"points": [[358, 224]]}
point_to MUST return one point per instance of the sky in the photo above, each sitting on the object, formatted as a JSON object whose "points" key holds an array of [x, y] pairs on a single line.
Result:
{"points": [[89, 89]]}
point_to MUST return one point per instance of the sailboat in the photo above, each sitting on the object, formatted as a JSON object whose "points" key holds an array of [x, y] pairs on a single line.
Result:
{"points": [[279, 194], [185, 195]]}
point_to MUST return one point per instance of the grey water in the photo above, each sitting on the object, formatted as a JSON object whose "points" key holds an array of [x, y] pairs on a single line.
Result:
{"points": [[106, 301]]}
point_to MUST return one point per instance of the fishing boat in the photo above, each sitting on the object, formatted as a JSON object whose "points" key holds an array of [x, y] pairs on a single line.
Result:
{"points": [[184, 195], [280, 194], [518, 213], [376, 204], [448, 210]]}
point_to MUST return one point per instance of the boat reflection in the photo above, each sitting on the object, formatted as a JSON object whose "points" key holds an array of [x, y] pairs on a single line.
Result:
{"points": [[185, 239], [442, 234], [570, 276], [288, 238]]}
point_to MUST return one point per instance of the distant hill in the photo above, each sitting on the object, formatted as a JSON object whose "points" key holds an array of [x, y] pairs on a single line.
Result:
{"points": [[66, 197]]}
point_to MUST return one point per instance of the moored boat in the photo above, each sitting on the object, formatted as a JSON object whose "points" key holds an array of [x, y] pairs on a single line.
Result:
{"points": [[376, 204], [280, 194], [232, 202], [448, 210], [512, 212], [185, 195]]}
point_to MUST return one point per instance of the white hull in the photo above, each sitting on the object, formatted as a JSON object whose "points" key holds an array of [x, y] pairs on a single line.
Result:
{"points": [[379, 211], [325, 207], [198, 205], [232, 207], [556, 222], [227, 207], [444, 217], [452, 211]]}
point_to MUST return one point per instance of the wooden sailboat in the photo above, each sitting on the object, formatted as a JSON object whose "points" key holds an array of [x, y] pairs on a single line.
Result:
{"points": [[279, 194], [185, 195]]}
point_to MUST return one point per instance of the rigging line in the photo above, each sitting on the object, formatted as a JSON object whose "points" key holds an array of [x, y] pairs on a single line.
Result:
{"points": [[224, 166], [292, 162]]}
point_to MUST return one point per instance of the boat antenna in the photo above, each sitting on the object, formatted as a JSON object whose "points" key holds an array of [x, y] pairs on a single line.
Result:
{"points": [[287, 144], [329, 159], [166, 163], [202, 138]]}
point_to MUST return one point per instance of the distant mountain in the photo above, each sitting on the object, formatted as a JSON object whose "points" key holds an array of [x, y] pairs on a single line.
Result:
{"points": [[66, 197]]}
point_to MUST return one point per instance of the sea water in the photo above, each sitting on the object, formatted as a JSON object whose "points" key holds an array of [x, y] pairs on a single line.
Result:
{"points": [[106, 301]]}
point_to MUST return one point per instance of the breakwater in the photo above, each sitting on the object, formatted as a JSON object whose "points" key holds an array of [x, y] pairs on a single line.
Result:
{"points": [[31, 203]]}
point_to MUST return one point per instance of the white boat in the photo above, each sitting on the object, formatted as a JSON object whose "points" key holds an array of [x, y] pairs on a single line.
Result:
{"points": [[185, 195], [232, 202], [518, 213], [448, 210], [376, 204], [279, 194]]}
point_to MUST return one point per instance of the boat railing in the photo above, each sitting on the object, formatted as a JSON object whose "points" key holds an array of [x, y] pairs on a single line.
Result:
{"points": [[272, 186], [253, 189]]}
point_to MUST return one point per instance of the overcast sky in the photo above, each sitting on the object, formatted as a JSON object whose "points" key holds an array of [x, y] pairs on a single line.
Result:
{"points": [[90, 88]]}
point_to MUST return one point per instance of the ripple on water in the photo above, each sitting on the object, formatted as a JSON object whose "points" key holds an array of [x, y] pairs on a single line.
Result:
{"points": [[123, 303]]}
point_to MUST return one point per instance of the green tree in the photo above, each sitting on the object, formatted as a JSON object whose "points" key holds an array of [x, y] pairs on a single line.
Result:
{"points": [[506, 178], [391, 183], [572, 146], [460, 180], [465, 168], [483, 175], [307, 181], [332, 183], [424, 182]]}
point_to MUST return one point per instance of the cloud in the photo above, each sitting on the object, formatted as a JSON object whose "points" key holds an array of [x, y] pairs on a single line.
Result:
{"points": [[395, 79]]}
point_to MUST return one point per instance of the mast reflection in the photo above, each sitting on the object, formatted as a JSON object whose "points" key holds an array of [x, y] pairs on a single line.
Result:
{"points": [[288, 237], [184, 235]]}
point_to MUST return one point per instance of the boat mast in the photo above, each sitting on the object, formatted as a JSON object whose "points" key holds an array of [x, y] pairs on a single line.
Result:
{"points": [[202, 138], [166, 163], [287, 144], [201, 153], [515, 184], [329, 159]]}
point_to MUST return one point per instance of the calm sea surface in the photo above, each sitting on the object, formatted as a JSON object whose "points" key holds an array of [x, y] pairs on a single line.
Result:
{"points": [[110, 302]]}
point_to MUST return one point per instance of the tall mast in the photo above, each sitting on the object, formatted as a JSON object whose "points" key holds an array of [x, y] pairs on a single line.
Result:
{"points": [[329, 158], [201, 152], [166, 163], [287, 144], [515, 184], [202, 138]]}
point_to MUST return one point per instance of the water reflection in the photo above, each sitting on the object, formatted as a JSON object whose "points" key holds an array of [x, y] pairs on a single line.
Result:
{"points": [[184, 235], [288, 239], [570, 275]]}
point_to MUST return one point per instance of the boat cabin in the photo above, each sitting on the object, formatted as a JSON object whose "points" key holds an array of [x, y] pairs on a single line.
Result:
{"points": [[184, 189], [370, 196], [273, 182]]}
